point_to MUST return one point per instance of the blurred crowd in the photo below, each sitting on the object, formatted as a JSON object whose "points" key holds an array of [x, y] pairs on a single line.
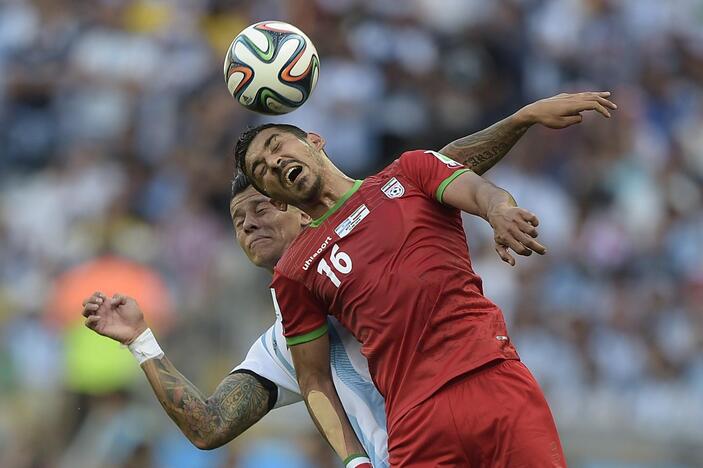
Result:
{"points": [[116, 137]]}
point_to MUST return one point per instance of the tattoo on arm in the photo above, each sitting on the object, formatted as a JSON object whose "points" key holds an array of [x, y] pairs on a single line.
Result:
{"points": [[239, 401], [482, 150]]}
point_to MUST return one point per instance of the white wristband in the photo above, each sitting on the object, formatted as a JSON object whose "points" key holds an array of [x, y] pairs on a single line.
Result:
{"points": [[145, 347], [355, 461]]}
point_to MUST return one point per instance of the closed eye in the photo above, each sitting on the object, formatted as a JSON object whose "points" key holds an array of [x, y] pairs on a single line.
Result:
{"points": [[262, 206], [258, 168], [263, 170]]}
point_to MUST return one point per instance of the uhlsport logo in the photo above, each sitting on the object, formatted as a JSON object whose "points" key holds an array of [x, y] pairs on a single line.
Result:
{"points": [[312, 257], [445, 159], [393, 188]]}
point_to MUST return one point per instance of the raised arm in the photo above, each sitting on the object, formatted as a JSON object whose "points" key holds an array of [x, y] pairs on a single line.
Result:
{"points": [[514, 228], [312, 367], [208, 422], [482, 150]]}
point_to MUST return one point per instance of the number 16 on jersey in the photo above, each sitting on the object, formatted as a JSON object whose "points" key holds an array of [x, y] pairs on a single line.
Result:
{"points": [[340, 261]]}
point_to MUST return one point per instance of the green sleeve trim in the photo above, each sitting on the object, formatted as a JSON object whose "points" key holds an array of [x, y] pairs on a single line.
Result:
{"points": [[442, 187], [308, 337], [354, 456], [316, 222]]}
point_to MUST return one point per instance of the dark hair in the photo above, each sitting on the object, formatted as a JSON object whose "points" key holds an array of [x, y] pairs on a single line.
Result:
{"points": [[242, 146], [240, 183]]}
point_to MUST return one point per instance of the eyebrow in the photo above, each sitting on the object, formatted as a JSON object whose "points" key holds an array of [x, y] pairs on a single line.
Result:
{"points": [[269, 140]]}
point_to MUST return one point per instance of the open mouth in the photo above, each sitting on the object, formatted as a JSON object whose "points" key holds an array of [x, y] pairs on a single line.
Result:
{"points": [[293, 172]]}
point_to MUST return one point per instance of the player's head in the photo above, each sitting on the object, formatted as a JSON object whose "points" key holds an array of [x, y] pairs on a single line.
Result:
{"points": [[263, 231], [283, 161]]}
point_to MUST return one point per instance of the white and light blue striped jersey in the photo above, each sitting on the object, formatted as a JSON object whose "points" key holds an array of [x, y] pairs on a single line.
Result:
{"points": [[269, 357]]}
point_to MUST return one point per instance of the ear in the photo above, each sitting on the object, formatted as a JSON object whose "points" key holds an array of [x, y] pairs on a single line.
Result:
{"points": [[305, 219], [316, 140], [281, 206]]}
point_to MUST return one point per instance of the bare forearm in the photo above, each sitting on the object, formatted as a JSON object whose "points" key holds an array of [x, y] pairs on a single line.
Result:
{"points": [[482, 150], [208, 422], [329, 416]]}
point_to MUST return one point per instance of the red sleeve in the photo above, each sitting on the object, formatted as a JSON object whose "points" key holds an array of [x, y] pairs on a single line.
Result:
{"points": [[304, 318], [430, 171]]}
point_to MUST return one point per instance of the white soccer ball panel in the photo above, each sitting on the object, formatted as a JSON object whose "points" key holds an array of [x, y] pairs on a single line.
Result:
{"points": [[304, 62], [257, 37], [315, 75], [234, 81]]}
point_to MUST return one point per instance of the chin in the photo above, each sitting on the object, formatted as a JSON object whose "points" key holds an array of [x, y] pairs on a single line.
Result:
{"points": [[310, 191], [263, 261]]}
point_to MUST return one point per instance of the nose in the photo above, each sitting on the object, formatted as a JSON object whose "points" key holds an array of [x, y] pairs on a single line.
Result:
{"points": [[250, 224], [276, 163]]}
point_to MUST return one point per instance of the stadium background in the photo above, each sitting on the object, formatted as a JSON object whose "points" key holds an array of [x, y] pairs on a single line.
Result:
{"points": [[116, 136]]}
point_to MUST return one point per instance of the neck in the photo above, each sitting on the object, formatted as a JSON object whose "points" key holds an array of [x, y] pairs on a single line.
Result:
{"points": [[335, 185]]}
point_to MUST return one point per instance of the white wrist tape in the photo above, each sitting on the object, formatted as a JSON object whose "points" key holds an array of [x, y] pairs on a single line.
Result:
{"points": [[145, 347], [358, 461]]}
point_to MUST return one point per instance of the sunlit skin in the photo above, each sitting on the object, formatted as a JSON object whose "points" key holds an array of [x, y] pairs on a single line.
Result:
{"points": [[292, 171], [263, 231]]}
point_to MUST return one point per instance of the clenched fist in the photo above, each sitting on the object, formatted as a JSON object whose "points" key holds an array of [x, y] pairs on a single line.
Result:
{"points": [[119, 317]]}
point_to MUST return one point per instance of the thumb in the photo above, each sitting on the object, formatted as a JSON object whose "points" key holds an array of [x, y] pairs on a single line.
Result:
{"points": [[504, 254], [568, 120]]}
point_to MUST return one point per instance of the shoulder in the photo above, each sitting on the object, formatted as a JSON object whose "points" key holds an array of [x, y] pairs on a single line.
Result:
{"points": [[410, 162], [423, 158]]}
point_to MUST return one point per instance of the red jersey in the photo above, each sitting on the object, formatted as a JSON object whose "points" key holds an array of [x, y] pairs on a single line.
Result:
{"points": [[391, 263]]}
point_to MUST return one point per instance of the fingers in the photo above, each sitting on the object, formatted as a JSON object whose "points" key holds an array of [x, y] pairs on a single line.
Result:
{"points": [[92, 321], [97, 297], [520, 235], [504, 254], [602, 104], [527, 228], [529, 217], [594, 105], [525, 232], [606, 103], [509, 239], [118, 299], [90, 309], [93, 303], [601, 97], [529, 244], [518, 247], [571, 120]]}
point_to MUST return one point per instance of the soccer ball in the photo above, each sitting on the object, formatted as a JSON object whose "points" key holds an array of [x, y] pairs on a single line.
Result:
{"points": [[271, 67]]}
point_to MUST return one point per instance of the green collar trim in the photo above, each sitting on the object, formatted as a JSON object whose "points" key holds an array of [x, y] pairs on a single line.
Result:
{"points": [[316, 222]]}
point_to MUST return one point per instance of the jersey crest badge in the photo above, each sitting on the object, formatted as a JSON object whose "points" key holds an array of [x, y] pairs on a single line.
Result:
{"points": [[393, 188], [445, 159], [351, 222]]}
